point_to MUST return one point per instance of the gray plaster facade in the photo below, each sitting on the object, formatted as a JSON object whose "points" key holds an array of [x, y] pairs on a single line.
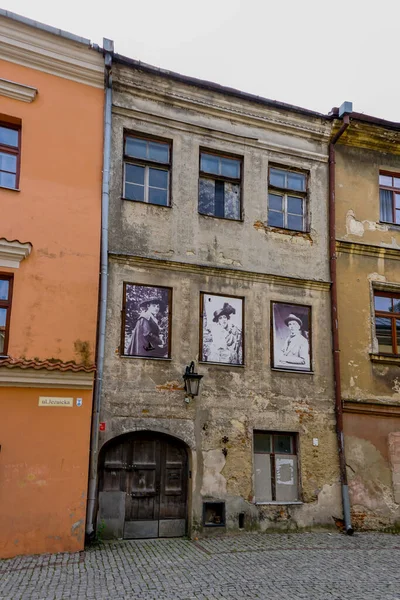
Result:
{"points": [[177, 247]]}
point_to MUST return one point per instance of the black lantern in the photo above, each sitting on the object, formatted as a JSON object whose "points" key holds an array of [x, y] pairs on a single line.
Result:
{"points": [[192, 381]]}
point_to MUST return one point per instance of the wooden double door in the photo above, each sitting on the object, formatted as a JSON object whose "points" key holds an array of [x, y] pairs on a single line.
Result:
{"points": [[151, 471]]}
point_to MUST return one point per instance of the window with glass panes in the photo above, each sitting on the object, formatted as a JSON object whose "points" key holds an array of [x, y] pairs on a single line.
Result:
{"points": [[275, 467], [287, 192], [147, 165], [389, 197], [9, 155], [5, 308], [220, 186], [387, 322]]}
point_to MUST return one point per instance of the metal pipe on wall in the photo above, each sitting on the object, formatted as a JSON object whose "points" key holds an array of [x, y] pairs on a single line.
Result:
{"points": [[335, 326], [108, 49]]}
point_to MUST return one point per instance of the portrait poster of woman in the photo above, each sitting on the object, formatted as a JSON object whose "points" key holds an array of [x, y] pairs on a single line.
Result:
{"points": [[291, 336], [147, 321], [221, 329]]}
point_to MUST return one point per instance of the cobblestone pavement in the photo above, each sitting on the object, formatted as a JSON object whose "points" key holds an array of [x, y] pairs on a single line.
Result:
{"points": [[314, 566]]}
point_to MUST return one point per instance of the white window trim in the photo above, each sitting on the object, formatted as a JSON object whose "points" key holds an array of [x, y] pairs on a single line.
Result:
{"points": [[146, 182]]}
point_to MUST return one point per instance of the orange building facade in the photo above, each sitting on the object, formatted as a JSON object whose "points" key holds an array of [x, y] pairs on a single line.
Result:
{"points": [[51, 140]]}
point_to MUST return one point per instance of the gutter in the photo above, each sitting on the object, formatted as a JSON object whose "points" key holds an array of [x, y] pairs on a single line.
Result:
{"points": [[345, 111], [98, 384]]}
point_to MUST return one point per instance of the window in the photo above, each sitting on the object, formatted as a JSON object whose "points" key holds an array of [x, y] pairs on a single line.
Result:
{"points": [[5, 308], [219, 186], [389, 197], [287, 192], [9, 155], [147, 165], [387, 322], [275, 467]]}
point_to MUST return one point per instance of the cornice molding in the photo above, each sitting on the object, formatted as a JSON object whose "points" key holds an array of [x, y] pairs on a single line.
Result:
{"points": [[154, 263], [371, 408], [45, 379], [226, 136], [38, 49], [367, 250], [370, 137], [12, 253], [17, 91], [188, 97]]}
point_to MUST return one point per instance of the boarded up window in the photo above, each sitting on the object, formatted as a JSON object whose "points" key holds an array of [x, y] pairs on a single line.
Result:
{"points": [[275, 467]]}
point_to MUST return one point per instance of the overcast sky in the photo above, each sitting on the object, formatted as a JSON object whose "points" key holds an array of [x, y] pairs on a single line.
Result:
{"points": [[312, 53]]}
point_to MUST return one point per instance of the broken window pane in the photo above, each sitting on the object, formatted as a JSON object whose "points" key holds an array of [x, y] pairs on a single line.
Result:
{"points": [[232, 201], [283, 443], [286, 478], [206, 196]]}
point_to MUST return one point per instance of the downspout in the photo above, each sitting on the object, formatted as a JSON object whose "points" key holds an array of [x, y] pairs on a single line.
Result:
{"points": [[101, 332], [335, 324]]}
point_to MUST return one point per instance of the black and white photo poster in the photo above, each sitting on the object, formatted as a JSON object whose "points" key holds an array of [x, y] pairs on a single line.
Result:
{"points": [[221, 331], [147, 321], [291, 336]]}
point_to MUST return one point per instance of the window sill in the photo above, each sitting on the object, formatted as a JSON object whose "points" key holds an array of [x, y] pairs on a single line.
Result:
{"points": [[282, 370], [145, 357], [394, 226], [4, 187], [221, 218], [147, 203], [275, 503], [385, 359], [217, 364], [298, 232]]}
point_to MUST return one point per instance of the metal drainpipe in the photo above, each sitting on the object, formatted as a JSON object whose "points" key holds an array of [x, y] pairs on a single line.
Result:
{"points": [[335, 327], [108, 46]]}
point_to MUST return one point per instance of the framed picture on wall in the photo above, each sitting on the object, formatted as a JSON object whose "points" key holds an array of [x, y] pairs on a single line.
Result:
{"points": [[221, 329], [146, 323], [291, 336]]}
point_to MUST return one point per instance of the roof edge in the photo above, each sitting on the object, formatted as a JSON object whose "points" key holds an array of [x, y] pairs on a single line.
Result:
{"points": [[43, 27], [216, 87]]}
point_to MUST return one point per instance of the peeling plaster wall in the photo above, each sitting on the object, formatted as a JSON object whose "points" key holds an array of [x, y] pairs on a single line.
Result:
{"points": [[147, 394], [240, 258], [368, 386]]}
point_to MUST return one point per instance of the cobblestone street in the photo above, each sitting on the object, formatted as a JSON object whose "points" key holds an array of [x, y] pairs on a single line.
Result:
{"points": [[269, 566]]}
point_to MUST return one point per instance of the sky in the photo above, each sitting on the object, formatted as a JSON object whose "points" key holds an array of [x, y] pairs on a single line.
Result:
{"points": [[310, 53]]}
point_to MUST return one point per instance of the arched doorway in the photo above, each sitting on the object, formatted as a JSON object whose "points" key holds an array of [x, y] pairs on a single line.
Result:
{"points": [[143, 486]]}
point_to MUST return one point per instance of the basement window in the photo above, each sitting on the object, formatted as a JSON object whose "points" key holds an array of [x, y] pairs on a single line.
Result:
{"points": [[214, 514], [275, 467]]}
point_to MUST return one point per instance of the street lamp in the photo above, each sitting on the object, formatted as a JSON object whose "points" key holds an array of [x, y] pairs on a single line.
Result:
{"points": [[192, 382]]}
